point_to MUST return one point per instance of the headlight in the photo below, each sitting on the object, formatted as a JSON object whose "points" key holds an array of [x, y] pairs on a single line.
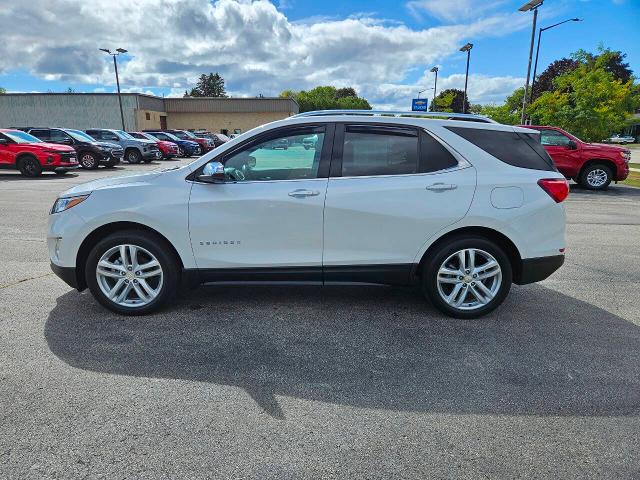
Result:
{"points": [[66, 203]]}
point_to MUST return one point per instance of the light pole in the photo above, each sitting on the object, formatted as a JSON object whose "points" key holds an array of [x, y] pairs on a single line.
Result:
{"points": [[466, 48], [435, 86], [535, 64], [532, 5], [420, 93], [115, 66]]}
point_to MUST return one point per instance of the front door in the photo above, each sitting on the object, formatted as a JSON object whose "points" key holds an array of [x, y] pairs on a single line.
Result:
{"points": [[268, 214], [562, 150], [391, 189]]}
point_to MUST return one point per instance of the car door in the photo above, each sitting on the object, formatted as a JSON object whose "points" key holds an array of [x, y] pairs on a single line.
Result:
{"points": [[268, 215], [391, 188], [562, 150]]}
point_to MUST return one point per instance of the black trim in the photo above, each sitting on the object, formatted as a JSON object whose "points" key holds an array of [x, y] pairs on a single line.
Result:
{"points": [[68, 274], [537, 269], [392, 274], [278, 274]]}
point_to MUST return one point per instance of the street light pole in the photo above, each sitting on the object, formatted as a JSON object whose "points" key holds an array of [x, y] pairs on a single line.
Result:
{"points": [[418, 97], [532, 5], [467, 48], [535, 64], [435, 86], [115, 66]]}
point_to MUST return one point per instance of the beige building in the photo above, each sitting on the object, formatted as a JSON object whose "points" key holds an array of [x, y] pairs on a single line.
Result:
{"points": [[101, 110]]}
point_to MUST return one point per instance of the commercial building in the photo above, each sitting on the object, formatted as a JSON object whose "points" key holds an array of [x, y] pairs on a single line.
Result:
{"points": [[101, 110]]}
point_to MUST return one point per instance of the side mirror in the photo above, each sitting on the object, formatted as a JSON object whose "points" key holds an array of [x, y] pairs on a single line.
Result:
{"points": [[213, 172], [572, 145]]}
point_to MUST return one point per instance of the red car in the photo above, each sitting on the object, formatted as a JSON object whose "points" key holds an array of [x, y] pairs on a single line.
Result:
{"points": [[206, 144], [592, 165], [168, 149], [32, 156]]}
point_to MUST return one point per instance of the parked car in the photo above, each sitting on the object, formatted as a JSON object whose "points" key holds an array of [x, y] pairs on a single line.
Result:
{"points": [[206, 144], [186, 148], [90, 152], [592, 165], [32, 156], [282, 143], [217, 138], [310, 142], [169, 149], [135, 150], [623, 139], [461, 208]]}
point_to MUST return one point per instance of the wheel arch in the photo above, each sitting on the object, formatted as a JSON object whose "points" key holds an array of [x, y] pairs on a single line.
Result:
{"points": [[607, 162], [24, 155], [495, 236], [107, 229]]}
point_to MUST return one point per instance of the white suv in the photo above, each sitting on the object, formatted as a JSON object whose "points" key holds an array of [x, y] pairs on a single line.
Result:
{"points": [[462, 208]]}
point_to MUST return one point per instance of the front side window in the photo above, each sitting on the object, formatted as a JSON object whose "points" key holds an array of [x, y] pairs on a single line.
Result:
{"points": [[80, 136], [554, 138], [106, 135], [58, 136], [379, 151], [284, 157]]}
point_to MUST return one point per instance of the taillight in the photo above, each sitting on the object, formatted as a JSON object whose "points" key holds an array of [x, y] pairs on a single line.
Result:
{"points": [[557, 188]]}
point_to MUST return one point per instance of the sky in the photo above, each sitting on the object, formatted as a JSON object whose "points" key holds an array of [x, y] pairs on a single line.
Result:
{"points": [[384, 49]]}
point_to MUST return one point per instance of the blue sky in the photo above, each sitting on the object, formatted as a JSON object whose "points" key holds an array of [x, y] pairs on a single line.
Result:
{"points": [[383, 48]]}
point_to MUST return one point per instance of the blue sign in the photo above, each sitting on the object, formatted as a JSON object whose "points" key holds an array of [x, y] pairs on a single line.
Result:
{"points": [[419, 105]]}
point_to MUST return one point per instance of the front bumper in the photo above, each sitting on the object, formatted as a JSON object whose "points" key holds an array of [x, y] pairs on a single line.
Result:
{"points": [[537, 269], [67, 274], [152, 154]]}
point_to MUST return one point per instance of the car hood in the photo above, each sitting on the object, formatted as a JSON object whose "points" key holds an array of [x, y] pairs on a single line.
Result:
{"points": [[135, 178], [146, 142], [54, 146], [606, 146], [106, 145]]}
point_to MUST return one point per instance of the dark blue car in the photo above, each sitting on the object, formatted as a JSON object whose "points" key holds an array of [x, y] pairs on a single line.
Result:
{"points": [[186, 148]]}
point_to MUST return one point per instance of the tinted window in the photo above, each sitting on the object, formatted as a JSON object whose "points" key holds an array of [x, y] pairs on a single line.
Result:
{"points": [[284, 157], [379, 151], [553, 138], [42, 134], [433, 155], [57, 136], [519, 150]]}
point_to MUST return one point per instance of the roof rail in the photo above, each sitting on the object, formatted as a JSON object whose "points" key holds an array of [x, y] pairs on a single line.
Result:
{"points": [[470, 117]]}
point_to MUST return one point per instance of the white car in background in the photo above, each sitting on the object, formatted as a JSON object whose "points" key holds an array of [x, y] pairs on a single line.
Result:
{"points": [[623, 139], [461, 208]]}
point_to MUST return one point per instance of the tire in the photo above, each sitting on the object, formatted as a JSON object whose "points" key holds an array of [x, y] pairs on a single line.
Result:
{"points": [[149, 247], [596, 177], [61, 173], [133, 156], [436, 284], [181, 152], [29, 167], [88, 160]]}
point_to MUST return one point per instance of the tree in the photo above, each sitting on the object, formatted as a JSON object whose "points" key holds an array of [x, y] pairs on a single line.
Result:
{"points": [[327, 98], [588, 101], [2, 91], [211, 85], [450, 100], [508, 113], [544, 81]]}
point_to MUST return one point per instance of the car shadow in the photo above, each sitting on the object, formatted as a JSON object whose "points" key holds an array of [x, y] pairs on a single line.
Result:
{"points": [[613, 190], [15, 175], [541, 353]]}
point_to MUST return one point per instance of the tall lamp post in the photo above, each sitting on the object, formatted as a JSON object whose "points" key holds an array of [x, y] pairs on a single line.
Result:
{"points": [[115, 66], [466, 48], [527, 7], [435, 86], [535, 64], [420, 93]]}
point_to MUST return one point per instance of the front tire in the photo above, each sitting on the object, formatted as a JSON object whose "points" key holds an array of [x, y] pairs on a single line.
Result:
{"points": [[467, 277], [30, 167], [88, 160], [596, 177], [133, 156], [132, 272]]}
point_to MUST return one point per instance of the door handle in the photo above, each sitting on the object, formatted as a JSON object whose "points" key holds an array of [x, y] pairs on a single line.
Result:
{"points": [[301, 192], [441, 187]]}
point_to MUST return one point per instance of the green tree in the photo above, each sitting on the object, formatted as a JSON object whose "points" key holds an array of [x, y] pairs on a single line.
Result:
{"points": [[588, 101], [450, 100], [211, 85], [327, 98], [2, 90]]}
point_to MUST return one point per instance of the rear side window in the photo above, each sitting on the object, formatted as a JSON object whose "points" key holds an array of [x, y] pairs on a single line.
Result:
{"points": [[377, 150], [433, 155], [522, 150]]}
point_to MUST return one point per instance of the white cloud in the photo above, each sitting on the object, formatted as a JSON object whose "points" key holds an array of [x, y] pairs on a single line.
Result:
{"points": [[252, 44], [450, 11]]}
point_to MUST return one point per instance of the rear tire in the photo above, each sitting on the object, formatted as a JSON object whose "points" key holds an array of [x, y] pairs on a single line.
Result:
{"points": [[133, 156], [452, 287], [596, 177], [29, 167], [124, 278]]}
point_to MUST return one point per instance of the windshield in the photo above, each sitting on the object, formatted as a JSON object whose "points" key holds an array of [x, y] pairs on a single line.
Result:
{"points": [[21, 137], [123, 134], [80, 136], [190, 134]]}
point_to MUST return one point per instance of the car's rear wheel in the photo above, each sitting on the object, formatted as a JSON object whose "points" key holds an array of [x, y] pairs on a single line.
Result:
{"points": [[88, 160], [132, 272], [29, 167], [133, 156], [596, 177], [467, 277]]}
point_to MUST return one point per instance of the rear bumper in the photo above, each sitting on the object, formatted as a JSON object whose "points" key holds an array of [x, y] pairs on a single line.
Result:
{"points": [[67, 274], [536, 269]]}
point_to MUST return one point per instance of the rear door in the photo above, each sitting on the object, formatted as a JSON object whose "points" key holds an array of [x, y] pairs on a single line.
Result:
{"points": [[391, 188]]}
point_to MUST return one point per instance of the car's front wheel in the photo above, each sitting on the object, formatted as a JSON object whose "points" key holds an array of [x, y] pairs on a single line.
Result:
{"points": [[29, 166], [467, 277], [132, 272], [596, 177], [133, 156], [88, 160]]}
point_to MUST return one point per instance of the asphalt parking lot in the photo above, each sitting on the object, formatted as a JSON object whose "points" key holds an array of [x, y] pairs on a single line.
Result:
{"points": [[349, 382]]}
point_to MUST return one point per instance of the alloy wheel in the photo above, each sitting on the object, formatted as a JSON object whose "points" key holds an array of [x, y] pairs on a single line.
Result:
{"points": [[469, 279], [597, 177], [88, 161], [129, 275]]}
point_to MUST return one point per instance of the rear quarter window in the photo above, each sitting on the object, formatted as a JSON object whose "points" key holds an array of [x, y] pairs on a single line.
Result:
{"points": [[522, 150]]}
